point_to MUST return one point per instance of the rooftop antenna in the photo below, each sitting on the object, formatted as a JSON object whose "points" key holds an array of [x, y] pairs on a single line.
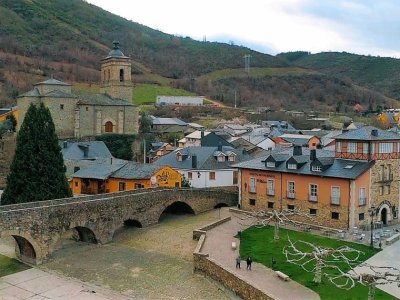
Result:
{"points": [[247, 63]]}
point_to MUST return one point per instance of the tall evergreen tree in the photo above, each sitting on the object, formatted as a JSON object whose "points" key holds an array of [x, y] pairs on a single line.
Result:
{"points": [[37, 171]]}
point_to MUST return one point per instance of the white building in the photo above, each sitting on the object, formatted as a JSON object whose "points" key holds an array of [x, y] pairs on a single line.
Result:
{"points": [[180, 100], [193, 139], [206, 166]]}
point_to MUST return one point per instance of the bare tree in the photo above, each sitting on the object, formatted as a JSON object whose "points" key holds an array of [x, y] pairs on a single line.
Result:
{"points": [[263, 218], [316, 259], [374, 275]]}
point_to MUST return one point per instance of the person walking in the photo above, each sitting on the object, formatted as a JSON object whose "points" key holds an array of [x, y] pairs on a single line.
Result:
{"points": [[238, 259], [249, 260]]}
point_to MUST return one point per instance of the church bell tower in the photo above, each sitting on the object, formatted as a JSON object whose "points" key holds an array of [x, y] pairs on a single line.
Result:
{"points": [[116, 79]]}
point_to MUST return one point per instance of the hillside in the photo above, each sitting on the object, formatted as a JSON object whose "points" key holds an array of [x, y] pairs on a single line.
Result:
{"points": [[68, 37], [288, 88], [377, 73]]}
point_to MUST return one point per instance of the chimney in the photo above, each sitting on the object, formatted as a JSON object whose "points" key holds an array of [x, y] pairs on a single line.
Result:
{"points": [[313, 154], [202, 134], [65, 144], [297, 150], [111, 160], [374, 132], [220, 147], [194, 162]]}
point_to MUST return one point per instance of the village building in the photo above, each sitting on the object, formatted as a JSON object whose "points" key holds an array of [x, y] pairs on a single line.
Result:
{"points": [[336, 188], [180, 100], [159, 149], [192, 139], [81, 115], [206, 166], [168, 125], [120, 176]]}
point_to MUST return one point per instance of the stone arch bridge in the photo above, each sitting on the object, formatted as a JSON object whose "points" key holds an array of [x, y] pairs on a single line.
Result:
{"points": [[38, 227]]}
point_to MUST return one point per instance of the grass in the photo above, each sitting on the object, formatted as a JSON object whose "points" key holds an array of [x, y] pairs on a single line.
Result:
{"points": [[9, 266], [260, 243], [147, 93]]}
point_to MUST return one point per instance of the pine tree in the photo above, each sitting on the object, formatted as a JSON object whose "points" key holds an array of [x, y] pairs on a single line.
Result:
{"points": [[37, 171]]}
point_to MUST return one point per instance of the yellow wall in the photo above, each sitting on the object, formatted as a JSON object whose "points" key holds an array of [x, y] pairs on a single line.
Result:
{"points": [[15, 112]]}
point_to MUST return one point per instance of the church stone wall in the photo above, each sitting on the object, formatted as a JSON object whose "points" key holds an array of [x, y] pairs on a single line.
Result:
{"points": [[64, 119], [23, 105]]}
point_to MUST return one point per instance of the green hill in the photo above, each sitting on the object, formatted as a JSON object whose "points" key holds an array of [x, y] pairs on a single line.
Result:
{"points": [[67, 38], [377, 73]]}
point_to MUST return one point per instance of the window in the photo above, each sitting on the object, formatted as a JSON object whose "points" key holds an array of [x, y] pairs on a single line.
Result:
{"points": [[365, 148], [385, 147], [76, 183], [231, 158], [108, 75], [361, 217], [291, 190], [381, 190], [313, 192], [122, 186], [177, 184], [252, 188], [313, 211], [362, 200], [212, 175], [121, 75], [76, 169], [221, 158], [291, 207], [270, 164], [338, 146], [335, 195], [190, 175], [352, 147], [61, 106], [270, 204], [139, 186], [372, 148], [252, 202], [292, 166], [316, 168], [270, 187], [335, 215], [235, 177], [387, 189]]}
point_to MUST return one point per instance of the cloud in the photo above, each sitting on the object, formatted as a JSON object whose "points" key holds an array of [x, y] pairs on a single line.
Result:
{"points": [[273, 26]]}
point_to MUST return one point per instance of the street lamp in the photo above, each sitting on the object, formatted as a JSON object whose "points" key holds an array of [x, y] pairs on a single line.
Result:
{"points": [[371, 212]]}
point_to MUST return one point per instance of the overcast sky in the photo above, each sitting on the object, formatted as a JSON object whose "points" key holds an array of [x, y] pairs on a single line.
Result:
{"points": [[273, 26]]}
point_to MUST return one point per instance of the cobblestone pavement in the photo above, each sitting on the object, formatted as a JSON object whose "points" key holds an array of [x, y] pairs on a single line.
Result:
{"points": [[143, 263]]}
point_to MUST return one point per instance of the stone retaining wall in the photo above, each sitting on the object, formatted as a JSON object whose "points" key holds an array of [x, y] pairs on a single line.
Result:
{"points": [[204, 265], [202, 231]]}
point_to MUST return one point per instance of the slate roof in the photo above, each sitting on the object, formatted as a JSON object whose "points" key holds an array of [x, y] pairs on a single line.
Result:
{"points": [[336, 169], [205, 158], [167, 121], [71, 164], [74, 150], [32, 93], [100, 99], [136, 171], [100, 171], [59, 94], [53, 81], [364, 134]]}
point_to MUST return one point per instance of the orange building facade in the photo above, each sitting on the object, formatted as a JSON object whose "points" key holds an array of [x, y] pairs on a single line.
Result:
{"points": [[131, 176]]}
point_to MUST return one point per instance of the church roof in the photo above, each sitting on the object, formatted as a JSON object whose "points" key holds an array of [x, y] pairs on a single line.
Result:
{"points": [[101, 99], [32, 93], [115, 52], [53, 81], [58, 94]]}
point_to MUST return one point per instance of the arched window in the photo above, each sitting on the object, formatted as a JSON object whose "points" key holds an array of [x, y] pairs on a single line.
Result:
{"points": [[121, 75], [108, 127]]}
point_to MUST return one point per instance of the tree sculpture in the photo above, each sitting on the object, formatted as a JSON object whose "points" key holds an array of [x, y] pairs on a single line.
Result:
{"points": [[376, 276], [263, 218], [37, 170], [316, 259]]}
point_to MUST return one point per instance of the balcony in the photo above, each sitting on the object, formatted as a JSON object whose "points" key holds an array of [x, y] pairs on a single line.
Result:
{"points": [[385, 179], [312, 198], [271, 192], [291, 195], [335, 200]]}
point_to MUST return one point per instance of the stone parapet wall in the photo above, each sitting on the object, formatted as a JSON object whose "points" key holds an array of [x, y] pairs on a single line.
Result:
{"points": [[204, 265], [199, 232]]}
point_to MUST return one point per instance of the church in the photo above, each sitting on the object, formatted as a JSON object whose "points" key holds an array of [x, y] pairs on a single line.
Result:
{"points": [[83, 115]]}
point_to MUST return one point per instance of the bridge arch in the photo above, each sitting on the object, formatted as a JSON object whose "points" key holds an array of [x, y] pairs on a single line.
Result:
{"points": [[220, 204], [175, 207], [27, 249]]}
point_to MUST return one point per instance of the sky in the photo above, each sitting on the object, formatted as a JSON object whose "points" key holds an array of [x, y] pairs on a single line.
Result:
{"points": [[369, 27]]}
